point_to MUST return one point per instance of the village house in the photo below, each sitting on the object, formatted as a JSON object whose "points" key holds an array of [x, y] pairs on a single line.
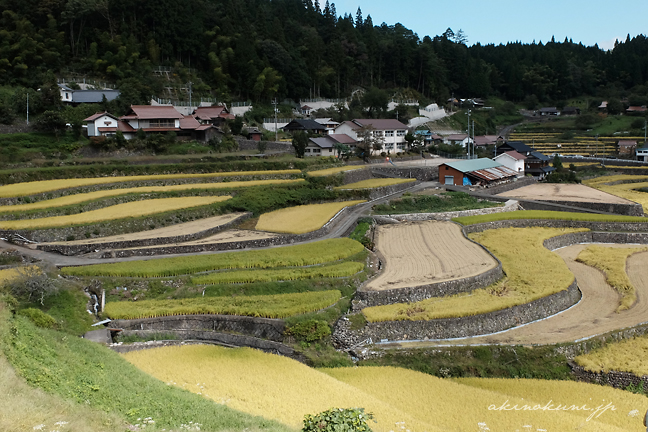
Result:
{"points": [[535, 164], [475, 172], [305, 125], [75, 96], [513, 160], [388, 133], [326, 145], [642, 154], [626, 147], [458, 139], [216, 115]]}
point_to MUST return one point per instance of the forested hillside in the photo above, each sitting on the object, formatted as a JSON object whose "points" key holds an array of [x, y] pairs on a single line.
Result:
{"points": [[259, 49]]}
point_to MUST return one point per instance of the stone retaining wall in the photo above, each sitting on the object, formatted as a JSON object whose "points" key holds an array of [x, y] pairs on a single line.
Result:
{"points": [[246, 144], [472, 325], [521, 182], [367, 298], [525, 223], [620, 380], [384, 191], [266, 328], [447, 216], [356, 175], [419, 173], [75, 249], [621, 209]]}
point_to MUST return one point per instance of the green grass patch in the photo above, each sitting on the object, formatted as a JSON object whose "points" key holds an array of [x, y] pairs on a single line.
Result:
{"points": [[549, 215], [300, 255], [269, 306], [446, 201], [246, 276], [97, 377]]}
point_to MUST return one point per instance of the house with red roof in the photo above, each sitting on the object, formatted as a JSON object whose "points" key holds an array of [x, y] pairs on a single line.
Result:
{"points": [[216, 115]]}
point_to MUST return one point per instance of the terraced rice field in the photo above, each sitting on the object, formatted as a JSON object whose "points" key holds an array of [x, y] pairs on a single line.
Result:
{"points": [[284, 390], [335, 170], [301, 219], [9, 274], [300, 255], [424, 253], [119, 211], [91, 196], [630, 355], [625, 190], [584, 145], [267, 306], [36, 187], [525, 262], [375, 183], [564, 192]]}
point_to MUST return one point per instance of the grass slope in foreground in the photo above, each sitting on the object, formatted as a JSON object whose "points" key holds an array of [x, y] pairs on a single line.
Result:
{"points": [[532, 272], [93, 196], [119, 211], [36, 187], [301, 219], [549, 215], [95, 376], [266, 306], [300, 255], [612, 262]]}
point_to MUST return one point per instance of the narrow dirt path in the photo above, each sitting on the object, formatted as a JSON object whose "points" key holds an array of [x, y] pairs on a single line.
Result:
{"points": [[594, 314]]}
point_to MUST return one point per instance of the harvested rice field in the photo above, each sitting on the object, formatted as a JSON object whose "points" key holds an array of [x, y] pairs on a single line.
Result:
{"points": [[170, 231], [119, 211], [401, 400], [301, 219], [426, 252], [564, 192]]}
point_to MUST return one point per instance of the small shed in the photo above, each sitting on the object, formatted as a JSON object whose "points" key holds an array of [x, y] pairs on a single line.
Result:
{"points": [[626, 147], [471, 172]]}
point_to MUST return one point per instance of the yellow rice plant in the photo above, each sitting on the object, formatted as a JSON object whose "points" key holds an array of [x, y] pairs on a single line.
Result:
{"points": [[296, 273], [119, 211], [594, 407], [267, 306], [457, 405], [549, 215], [287, 256], [36, 187], [335, 170], [10, 274], [623, 190], [630, 355], [267, 385], [91, 196], [526, 263], [612, 262], [375, 183], [301, 219]]}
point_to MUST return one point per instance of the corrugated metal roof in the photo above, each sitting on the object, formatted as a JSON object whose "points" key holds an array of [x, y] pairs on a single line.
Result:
{"points": [[473, 164], [492, 174]]}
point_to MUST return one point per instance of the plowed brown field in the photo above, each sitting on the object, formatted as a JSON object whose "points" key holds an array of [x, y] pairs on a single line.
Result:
{"points": [[426, 252]]}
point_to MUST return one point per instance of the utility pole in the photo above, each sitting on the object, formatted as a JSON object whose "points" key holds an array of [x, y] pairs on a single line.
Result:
{"points": [[473, 139], [274, 102], [468, 131], [190, 110], [27, 107]]}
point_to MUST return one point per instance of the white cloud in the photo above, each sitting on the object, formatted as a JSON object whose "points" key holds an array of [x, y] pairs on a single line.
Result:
{"points": [[609, 44]]}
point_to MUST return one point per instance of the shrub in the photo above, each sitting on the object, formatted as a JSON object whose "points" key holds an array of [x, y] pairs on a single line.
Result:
{"points": [[309, 331], [31, 284], [38, 317], [338, 419]]}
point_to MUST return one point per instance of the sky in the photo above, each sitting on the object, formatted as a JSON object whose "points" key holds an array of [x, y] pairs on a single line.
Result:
{"points": [[501, 21]]}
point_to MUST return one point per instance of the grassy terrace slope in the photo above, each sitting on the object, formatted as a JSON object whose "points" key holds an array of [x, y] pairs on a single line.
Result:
{"points": [[267, 306], [32, 188], [119, 211], [284, 390], [300, 255], [527, 265], [301, 219], [95, 377], [91, 196], [549, 215]]}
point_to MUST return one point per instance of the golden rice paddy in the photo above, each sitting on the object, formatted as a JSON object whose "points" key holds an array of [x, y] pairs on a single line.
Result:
{"points": [[301, 219], [623, 190], [119, 211], [335, 170], [375, 183], [282, 389], [630, 355], [36, 187], [91, 196]]}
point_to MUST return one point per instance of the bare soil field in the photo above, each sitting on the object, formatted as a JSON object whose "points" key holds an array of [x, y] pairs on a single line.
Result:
{"points": [[427, 252], [233, 235], [594, 314], [170, 231], [564, 192]]}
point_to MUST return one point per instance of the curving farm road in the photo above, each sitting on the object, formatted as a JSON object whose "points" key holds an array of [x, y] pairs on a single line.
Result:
{"points": [[594, 314]]}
